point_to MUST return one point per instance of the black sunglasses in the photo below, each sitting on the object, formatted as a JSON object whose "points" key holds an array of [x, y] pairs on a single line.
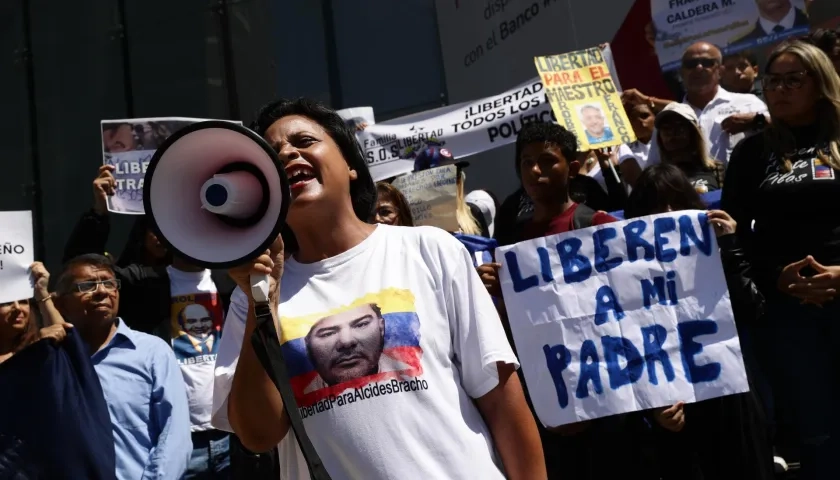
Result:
{"points": [[692, 63], [790, 80]]}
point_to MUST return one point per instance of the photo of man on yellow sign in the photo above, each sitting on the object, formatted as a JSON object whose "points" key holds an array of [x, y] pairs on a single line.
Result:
{"points": [[584, 98]]}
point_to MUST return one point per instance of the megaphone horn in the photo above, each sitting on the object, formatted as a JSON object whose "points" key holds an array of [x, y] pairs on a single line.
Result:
{"points": [[217, 196]]}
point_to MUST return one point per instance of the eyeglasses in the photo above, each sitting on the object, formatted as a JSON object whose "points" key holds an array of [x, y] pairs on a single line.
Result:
{"points": [[791, 80], [692, 63], [90, 287]]}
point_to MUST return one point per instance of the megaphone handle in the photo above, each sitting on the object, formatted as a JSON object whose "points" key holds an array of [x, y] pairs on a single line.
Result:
{"points": [[259, 288]]}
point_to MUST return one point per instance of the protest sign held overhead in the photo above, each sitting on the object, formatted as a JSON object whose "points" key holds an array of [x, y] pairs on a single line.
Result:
{"points": [[732, 25], [432, 196], [16, 255], [464, 129], [585, 99], [622, 317], [128, 145]]}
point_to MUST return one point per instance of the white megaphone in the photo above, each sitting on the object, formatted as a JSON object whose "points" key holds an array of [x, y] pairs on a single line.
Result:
{"points": [[217, 195]]}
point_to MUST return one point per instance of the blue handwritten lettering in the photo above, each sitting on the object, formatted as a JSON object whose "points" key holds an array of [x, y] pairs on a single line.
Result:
{"points": [[589, 370], [654, 337], [651, 290], [661, 226], [557, 358], [687, 233], [576, 267], [620, 346], [519, 284], [690, 348], [633, 237], [545, 265], [606, 302], [671, 284], [602, 251]]}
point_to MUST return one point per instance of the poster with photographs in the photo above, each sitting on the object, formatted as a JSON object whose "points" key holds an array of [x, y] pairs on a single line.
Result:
{"points": [[128, 145]]}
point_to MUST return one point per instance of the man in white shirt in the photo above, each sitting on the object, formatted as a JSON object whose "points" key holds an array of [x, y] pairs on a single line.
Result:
{"points": [[725, 117]]}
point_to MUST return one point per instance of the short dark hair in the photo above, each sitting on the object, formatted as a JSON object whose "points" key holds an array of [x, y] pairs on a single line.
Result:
{"points": [[747, 55], [386, 190], [65, 280], [363, 189], [546, 132], [660, 186]]}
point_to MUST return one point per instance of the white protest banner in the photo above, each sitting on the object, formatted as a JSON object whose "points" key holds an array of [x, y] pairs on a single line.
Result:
{"points": [[432, 196], [622, 317], [16, 255], [465, 129], [129, 145], [732, 25]]}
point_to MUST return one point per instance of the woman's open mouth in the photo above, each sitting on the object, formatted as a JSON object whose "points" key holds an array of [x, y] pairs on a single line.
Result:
{"points": [[299, 176]]}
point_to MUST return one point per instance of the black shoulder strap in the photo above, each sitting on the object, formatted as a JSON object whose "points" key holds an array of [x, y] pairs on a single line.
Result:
{"points": [[582, 218], [267, 348]]}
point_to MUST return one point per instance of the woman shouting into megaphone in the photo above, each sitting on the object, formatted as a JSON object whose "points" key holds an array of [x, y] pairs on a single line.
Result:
{"points": [[395, 353]]}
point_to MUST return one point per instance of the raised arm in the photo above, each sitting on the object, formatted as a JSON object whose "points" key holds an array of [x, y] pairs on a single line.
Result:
{"points": [[488, 368], [255, 409]]}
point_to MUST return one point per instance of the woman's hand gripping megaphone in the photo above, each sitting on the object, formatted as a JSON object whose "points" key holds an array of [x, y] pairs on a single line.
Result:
{"points": [[269, 264]]}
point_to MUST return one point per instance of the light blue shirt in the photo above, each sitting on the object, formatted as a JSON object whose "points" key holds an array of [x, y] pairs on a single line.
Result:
{"points": [[147, 401], [605, 137]]}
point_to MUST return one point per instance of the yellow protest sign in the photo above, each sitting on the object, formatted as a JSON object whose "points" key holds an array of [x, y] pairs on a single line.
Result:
{"points": [[584, 98]]}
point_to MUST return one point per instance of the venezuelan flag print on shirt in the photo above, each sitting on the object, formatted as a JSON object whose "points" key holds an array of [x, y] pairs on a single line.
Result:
{"points": [[369, 347]]}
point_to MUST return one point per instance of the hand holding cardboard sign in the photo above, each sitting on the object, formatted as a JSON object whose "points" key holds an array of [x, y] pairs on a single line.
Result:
{"points": [[104, 186]]}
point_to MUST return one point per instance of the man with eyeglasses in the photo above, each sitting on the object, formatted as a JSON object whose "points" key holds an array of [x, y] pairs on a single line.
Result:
{"points": [[725, 117], [140, 377]]}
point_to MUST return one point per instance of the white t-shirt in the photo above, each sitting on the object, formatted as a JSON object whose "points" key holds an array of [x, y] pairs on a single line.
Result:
{"points": [[196, 318], [638, 150], [384, 393], [724, 105]]}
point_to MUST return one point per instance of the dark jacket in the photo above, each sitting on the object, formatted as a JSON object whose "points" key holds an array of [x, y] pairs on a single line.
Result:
{"points": [[724, 437], [55, 422]]}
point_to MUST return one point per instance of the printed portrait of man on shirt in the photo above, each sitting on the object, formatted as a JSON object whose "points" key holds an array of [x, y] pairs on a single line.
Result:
{"points": [[595, 124], [372, 340], [196, 326], [348, 345]]}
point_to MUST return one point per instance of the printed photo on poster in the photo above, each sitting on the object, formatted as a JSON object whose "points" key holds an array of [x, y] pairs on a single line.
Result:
{"points": [[584, 98], [128, 145], [594, 122], [366, 349], [196, 327], [731, 25]]}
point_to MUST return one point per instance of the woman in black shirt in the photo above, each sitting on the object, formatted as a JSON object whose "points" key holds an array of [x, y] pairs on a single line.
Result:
{"points": [[785, 183]]}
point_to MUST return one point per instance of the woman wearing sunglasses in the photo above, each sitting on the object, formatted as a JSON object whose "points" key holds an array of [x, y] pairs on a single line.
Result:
{"points": [[787, 181]]}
